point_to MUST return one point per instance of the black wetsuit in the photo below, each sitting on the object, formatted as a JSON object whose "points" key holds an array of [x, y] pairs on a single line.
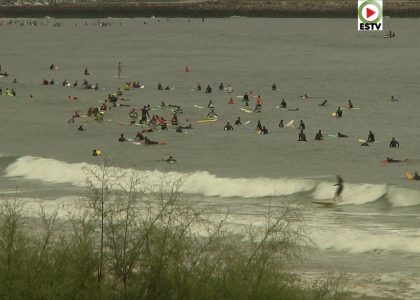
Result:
{"points": [[144, 114], [302, 137], [139, 137], [149, 142], [302, 126], [319, 136], [283, 104], [391, 160], [371, 138], [259, 126], [340, 187], [394, 144], [228, 127]]}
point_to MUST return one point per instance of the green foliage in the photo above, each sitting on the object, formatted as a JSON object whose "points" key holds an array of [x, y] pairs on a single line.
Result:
{"points": [[124, 242]]}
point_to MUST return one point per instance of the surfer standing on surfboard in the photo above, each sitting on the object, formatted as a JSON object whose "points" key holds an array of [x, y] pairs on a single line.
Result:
{"points": [[339, 189]]}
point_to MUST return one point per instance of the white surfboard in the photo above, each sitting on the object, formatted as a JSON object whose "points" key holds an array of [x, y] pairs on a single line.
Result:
{"points": [[364, 141], [290, 124]]}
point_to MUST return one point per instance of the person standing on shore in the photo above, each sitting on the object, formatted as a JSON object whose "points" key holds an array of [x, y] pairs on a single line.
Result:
{"points": [[119, 69]]}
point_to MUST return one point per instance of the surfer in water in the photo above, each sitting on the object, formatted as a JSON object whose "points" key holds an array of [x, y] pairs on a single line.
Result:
{"points": [[171, 159], [122, 139], [323, 103], [318, 136], [339, 189], [259, 126], [302, 136], [391, 160], [393, 99], [274, 87], [228, 127], [302, 125], [283, 104], [394, 143], [339, 113], [211, 115], [119, 69], [371, 137]]}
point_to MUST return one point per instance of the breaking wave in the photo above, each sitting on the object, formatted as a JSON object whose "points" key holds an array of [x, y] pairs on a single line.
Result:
{"points": [[206, 184]]}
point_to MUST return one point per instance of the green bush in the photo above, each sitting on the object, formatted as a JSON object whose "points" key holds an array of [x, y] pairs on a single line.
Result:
{"points": [[124, 242]]}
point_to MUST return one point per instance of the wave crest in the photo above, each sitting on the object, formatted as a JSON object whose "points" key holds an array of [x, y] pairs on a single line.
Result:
{"points": [[203, 183], [206, 184]]}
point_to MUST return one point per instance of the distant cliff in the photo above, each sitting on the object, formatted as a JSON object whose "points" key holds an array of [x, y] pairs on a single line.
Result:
{"points": [[313, 9]]}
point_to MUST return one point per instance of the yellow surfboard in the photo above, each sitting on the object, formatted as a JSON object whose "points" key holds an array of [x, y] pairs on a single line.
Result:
{"points": [[409, 175], [206, 121]]}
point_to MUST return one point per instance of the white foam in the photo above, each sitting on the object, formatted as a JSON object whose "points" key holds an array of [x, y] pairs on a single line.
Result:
{"points": [[47, 170], [206, 184], [209, 185], [359, 241], [399, 197], [203, 183]]}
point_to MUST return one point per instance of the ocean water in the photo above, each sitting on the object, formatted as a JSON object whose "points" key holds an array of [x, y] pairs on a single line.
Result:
{"points": [[372, 235]]}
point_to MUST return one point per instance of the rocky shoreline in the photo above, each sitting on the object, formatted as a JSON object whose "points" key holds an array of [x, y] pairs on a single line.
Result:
{"points": [[214, 9]]}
